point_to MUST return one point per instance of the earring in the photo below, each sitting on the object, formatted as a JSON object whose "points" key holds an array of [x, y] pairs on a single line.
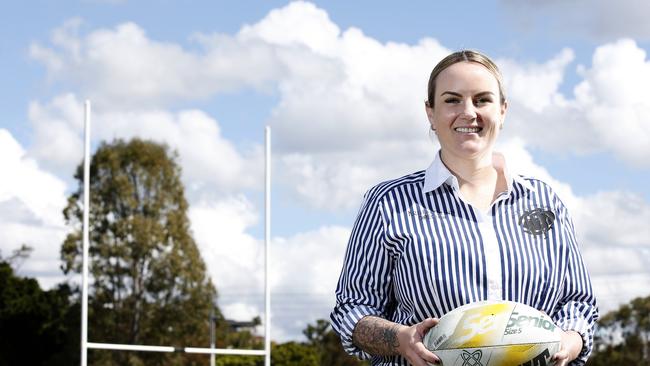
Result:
{"points": [[432, 134]]}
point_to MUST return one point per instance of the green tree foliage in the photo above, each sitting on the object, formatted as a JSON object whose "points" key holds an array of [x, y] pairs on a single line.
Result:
{"points": [[229, 360], [294, 354], [328, 345], [623, 336], [323, 348], [36, 327], [149, 283], [18, 256]]}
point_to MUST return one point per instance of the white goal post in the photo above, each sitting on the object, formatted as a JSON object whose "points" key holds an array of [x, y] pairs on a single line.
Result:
{"points": [[85, 345]]}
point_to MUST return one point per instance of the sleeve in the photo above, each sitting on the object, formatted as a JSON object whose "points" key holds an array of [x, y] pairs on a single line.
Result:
{"points": [[577, 309], [364, 287]]}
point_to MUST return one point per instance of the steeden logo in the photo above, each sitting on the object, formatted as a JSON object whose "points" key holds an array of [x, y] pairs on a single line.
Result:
{"points": [[473, 358]]}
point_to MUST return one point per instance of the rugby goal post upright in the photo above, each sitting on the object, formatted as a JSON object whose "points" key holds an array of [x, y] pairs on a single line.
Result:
{"points": [[85, 345], [84, 260], [267, 242]]}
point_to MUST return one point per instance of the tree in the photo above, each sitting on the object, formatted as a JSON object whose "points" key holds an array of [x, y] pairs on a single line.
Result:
{"points": [[294, 354], [623, 336], [18, 256], [149, 283], [328, 345], [31, 317]]}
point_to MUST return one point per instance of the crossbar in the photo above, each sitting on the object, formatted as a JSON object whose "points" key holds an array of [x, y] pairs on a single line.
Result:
{"points": [[169, 349]]}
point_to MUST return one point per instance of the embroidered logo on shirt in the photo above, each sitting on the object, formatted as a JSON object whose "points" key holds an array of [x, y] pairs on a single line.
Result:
{"points": [[423, 213], [537, 221]]}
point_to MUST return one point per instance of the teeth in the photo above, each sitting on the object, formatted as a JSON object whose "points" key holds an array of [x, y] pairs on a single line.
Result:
{"points": [[468, 129]]}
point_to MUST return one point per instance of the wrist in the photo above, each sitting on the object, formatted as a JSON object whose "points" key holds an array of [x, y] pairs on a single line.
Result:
{"points": [[377, 336], [403, 337], [574, 344]]}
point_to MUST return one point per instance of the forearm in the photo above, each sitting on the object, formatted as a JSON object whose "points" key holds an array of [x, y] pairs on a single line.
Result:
{"points": [[377, 336]]}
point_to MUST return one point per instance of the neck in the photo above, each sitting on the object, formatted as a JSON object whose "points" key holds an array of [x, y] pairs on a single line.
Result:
{"points": [[479, 179], [474, 171]]}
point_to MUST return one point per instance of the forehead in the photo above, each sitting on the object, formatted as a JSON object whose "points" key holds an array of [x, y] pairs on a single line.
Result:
{"points": [[470, 76]]}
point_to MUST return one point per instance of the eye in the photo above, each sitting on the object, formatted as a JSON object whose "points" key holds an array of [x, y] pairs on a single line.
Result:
{"points": [[452, 100], [483, 100]]}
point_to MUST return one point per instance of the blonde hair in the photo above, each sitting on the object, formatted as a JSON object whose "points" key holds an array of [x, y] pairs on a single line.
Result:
{"points": [[464, 56]]}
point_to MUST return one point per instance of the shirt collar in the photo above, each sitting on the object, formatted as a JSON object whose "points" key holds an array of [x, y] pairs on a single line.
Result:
{"points": [[437, 174]]}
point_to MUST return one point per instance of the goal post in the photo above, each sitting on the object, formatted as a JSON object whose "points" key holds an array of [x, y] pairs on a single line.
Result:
{"points": [[85, 345]]}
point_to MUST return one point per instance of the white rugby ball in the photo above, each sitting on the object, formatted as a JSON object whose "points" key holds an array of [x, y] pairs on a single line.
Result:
{"points": [[494, 333]]}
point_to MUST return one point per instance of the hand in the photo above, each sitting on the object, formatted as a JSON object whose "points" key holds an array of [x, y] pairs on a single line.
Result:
{"points": [[411, 346], [570, 347]]}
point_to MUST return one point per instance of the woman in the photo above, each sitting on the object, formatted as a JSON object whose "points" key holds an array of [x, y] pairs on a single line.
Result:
{"points": [[462, 231]]}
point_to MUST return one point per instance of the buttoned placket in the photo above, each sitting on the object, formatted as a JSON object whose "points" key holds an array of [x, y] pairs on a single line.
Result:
{"points": [[491, 251], [485, 221]]}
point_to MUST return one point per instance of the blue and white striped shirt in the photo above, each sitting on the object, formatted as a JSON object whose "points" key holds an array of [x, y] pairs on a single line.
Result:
{"points": [[417, 250]]}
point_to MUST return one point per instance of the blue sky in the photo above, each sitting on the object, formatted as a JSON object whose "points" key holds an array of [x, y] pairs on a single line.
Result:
{"points": [[341, 84], [482, 25]]}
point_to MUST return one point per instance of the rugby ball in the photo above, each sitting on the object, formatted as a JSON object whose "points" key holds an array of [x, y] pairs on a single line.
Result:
{"points": [[494, 333]]}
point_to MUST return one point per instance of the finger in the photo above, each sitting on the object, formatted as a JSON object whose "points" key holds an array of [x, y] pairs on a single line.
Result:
{"points": [[425, 325], [431, 322], [417, 361], [561, 355], [424, 353]]}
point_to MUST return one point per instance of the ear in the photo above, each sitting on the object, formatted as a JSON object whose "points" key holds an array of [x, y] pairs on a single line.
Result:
{"points": [[429, 112]]}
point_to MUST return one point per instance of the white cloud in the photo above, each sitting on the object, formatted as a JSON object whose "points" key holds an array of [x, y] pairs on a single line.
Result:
{"points": [[337, 180], [602, 20], [306, 267], [613, 100], [302, 278], [539, 114], [31, 201], [123, 67], [606, 114], [350, 114], [616, 218], [298, 23], [535, 86], [209, 161], [520, 161], [37, 191], [234, 257], [339, 92], [342, 90], [58, 133], [613, 230]]}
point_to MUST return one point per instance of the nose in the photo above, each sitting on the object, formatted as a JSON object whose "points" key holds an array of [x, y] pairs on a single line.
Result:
{"points": [[469, 111]]}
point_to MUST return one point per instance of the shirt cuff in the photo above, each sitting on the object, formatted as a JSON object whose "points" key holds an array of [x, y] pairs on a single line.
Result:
{"points": [[345, 325]]}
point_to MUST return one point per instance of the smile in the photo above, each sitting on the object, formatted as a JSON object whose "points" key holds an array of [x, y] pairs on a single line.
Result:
{"points": [[468, 129]]}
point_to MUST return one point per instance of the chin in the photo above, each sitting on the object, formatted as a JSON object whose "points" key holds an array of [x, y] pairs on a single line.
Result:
{"points": [[471, 150]]}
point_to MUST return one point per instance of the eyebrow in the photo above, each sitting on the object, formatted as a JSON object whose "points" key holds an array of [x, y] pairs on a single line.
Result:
{"points": [[460, 95]]}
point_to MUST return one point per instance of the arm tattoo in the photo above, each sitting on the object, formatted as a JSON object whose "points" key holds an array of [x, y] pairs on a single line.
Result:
{"points": [[376, 336]]}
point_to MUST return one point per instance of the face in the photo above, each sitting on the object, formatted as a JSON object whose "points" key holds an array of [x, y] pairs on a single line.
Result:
{"points": [[467, 114]]}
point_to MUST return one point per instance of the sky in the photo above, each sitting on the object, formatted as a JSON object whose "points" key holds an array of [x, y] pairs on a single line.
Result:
{"points": [[342, 86]]}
